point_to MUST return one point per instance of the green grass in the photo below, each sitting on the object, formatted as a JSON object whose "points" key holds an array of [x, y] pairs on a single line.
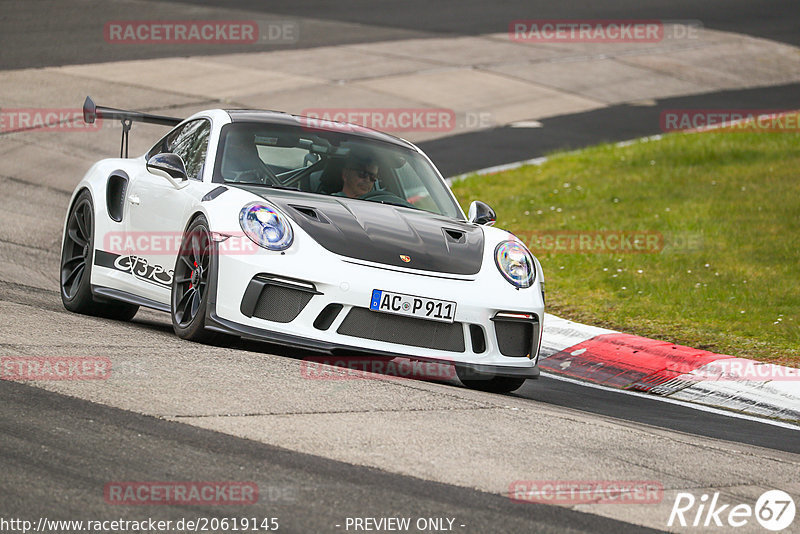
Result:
{"points": [[728, 207]]}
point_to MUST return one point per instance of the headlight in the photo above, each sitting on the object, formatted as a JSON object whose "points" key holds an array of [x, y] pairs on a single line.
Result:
{"points": [[266, 227], [515, 263]]}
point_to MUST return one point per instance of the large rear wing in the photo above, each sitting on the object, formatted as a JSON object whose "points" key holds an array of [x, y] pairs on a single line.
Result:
{"points": [[92, 112]]}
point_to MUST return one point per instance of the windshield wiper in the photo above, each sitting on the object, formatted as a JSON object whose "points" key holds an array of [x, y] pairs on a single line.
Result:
{"points": [[276, 186], [392, 203]]}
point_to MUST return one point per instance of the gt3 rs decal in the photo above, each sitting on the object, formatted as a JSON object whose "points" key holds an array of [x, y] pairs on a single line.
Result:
{"points": [[135, 265]]}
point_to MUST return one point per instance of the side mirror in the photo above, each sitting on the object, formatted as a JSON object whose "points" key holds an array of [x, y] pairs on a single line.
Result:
{"points": [[481, 213], [170, 166]]}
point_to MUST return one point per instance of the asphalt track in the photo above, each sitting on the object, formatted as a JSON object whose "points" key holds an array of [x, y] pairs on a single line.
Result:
{"points": [[58, 451], [66, 35], [775, 20], [506, 144], [58, 470]]}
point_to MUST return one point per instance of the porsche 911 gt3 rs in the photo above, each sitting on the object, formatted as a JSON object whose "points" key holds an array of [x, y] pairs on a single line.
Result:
{"points": [[315, 234]]}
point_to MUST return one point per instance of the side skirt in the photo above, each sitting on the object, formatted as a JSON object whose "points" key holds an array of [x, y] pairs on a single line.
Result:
{"points": [[106, 293]]}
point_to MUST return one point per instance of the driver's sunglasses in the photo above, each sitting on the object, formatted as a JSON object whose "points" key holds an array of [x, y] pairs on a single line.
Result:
{"points": [[364, 174]]}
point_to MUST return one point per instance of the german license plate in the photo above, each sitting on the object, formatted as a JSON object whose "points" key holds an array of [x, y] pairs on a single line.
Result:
{"points": [[422, 307]]}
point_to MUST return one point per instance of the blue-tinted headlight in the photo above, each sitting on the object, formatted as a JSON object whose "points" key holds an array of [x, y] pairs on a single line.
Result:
{"points": [[515, 263], [266, 226]]}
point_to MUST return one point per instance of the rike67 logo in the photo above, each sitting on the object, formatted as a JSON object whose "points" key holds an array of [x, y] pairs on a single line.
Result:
{"points": [[774, 510]]}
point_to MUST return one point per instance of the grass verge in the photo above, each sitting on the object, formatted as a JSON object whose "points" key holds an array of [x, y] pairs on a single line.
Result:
{"points": [[716, 220]]}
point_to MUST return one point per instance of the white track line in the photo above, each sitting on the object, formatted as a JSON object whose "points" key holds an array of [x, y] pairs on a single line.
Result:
{"points": [[694, 406]]}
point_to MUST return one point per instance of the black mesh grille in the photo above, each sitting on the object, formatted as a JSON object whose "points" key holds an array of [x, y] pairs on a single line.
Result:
{"points": [[281, 304], [367, 324], [514, 338]]}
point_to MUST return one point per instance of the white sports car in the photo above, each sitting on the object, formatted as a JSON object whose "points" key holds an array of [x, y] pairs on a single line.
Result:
{"points": [[321, 235]]}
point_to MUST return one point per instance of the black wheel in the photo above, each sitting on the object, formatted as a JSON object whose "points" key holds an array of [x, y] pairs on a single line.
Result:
{"points": [[190, 283], [77, 255], [489, 383]]}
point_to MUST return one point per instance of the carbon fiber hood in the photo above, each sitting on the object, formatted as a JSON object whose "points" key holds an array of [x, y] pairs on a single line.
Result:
{"points": [[382, 233]]}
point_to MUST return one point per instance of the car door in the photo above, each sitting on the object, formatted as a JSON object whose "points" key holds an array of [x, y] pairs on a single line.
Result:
{"points": [[157, 210]]}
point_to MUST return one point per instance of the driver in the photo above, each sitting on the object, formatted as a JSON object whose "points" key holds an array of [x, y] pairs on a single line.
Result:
{"points": [[241, 161], [359, 175]]}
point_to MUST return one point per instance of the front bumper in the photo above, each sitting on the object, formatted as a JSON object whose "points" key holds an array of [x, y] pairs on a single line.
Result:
{"points": [[331, 281]]}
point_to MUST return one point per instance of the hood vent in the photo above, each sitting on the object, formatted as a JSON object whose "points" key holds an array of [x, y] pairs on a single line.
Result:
{"points": [[454, 236], [311, 213]]}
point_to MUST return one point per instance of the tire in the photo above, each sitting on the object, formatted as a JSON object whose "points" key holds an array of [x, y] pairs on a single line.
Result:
{"points": [[77, 255], [189, 299], [489, 383]]}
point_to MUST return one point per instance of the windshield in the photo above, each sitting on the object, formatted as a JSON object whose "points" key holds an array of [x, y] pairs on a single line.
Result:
{"points": [[330, 163]]}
